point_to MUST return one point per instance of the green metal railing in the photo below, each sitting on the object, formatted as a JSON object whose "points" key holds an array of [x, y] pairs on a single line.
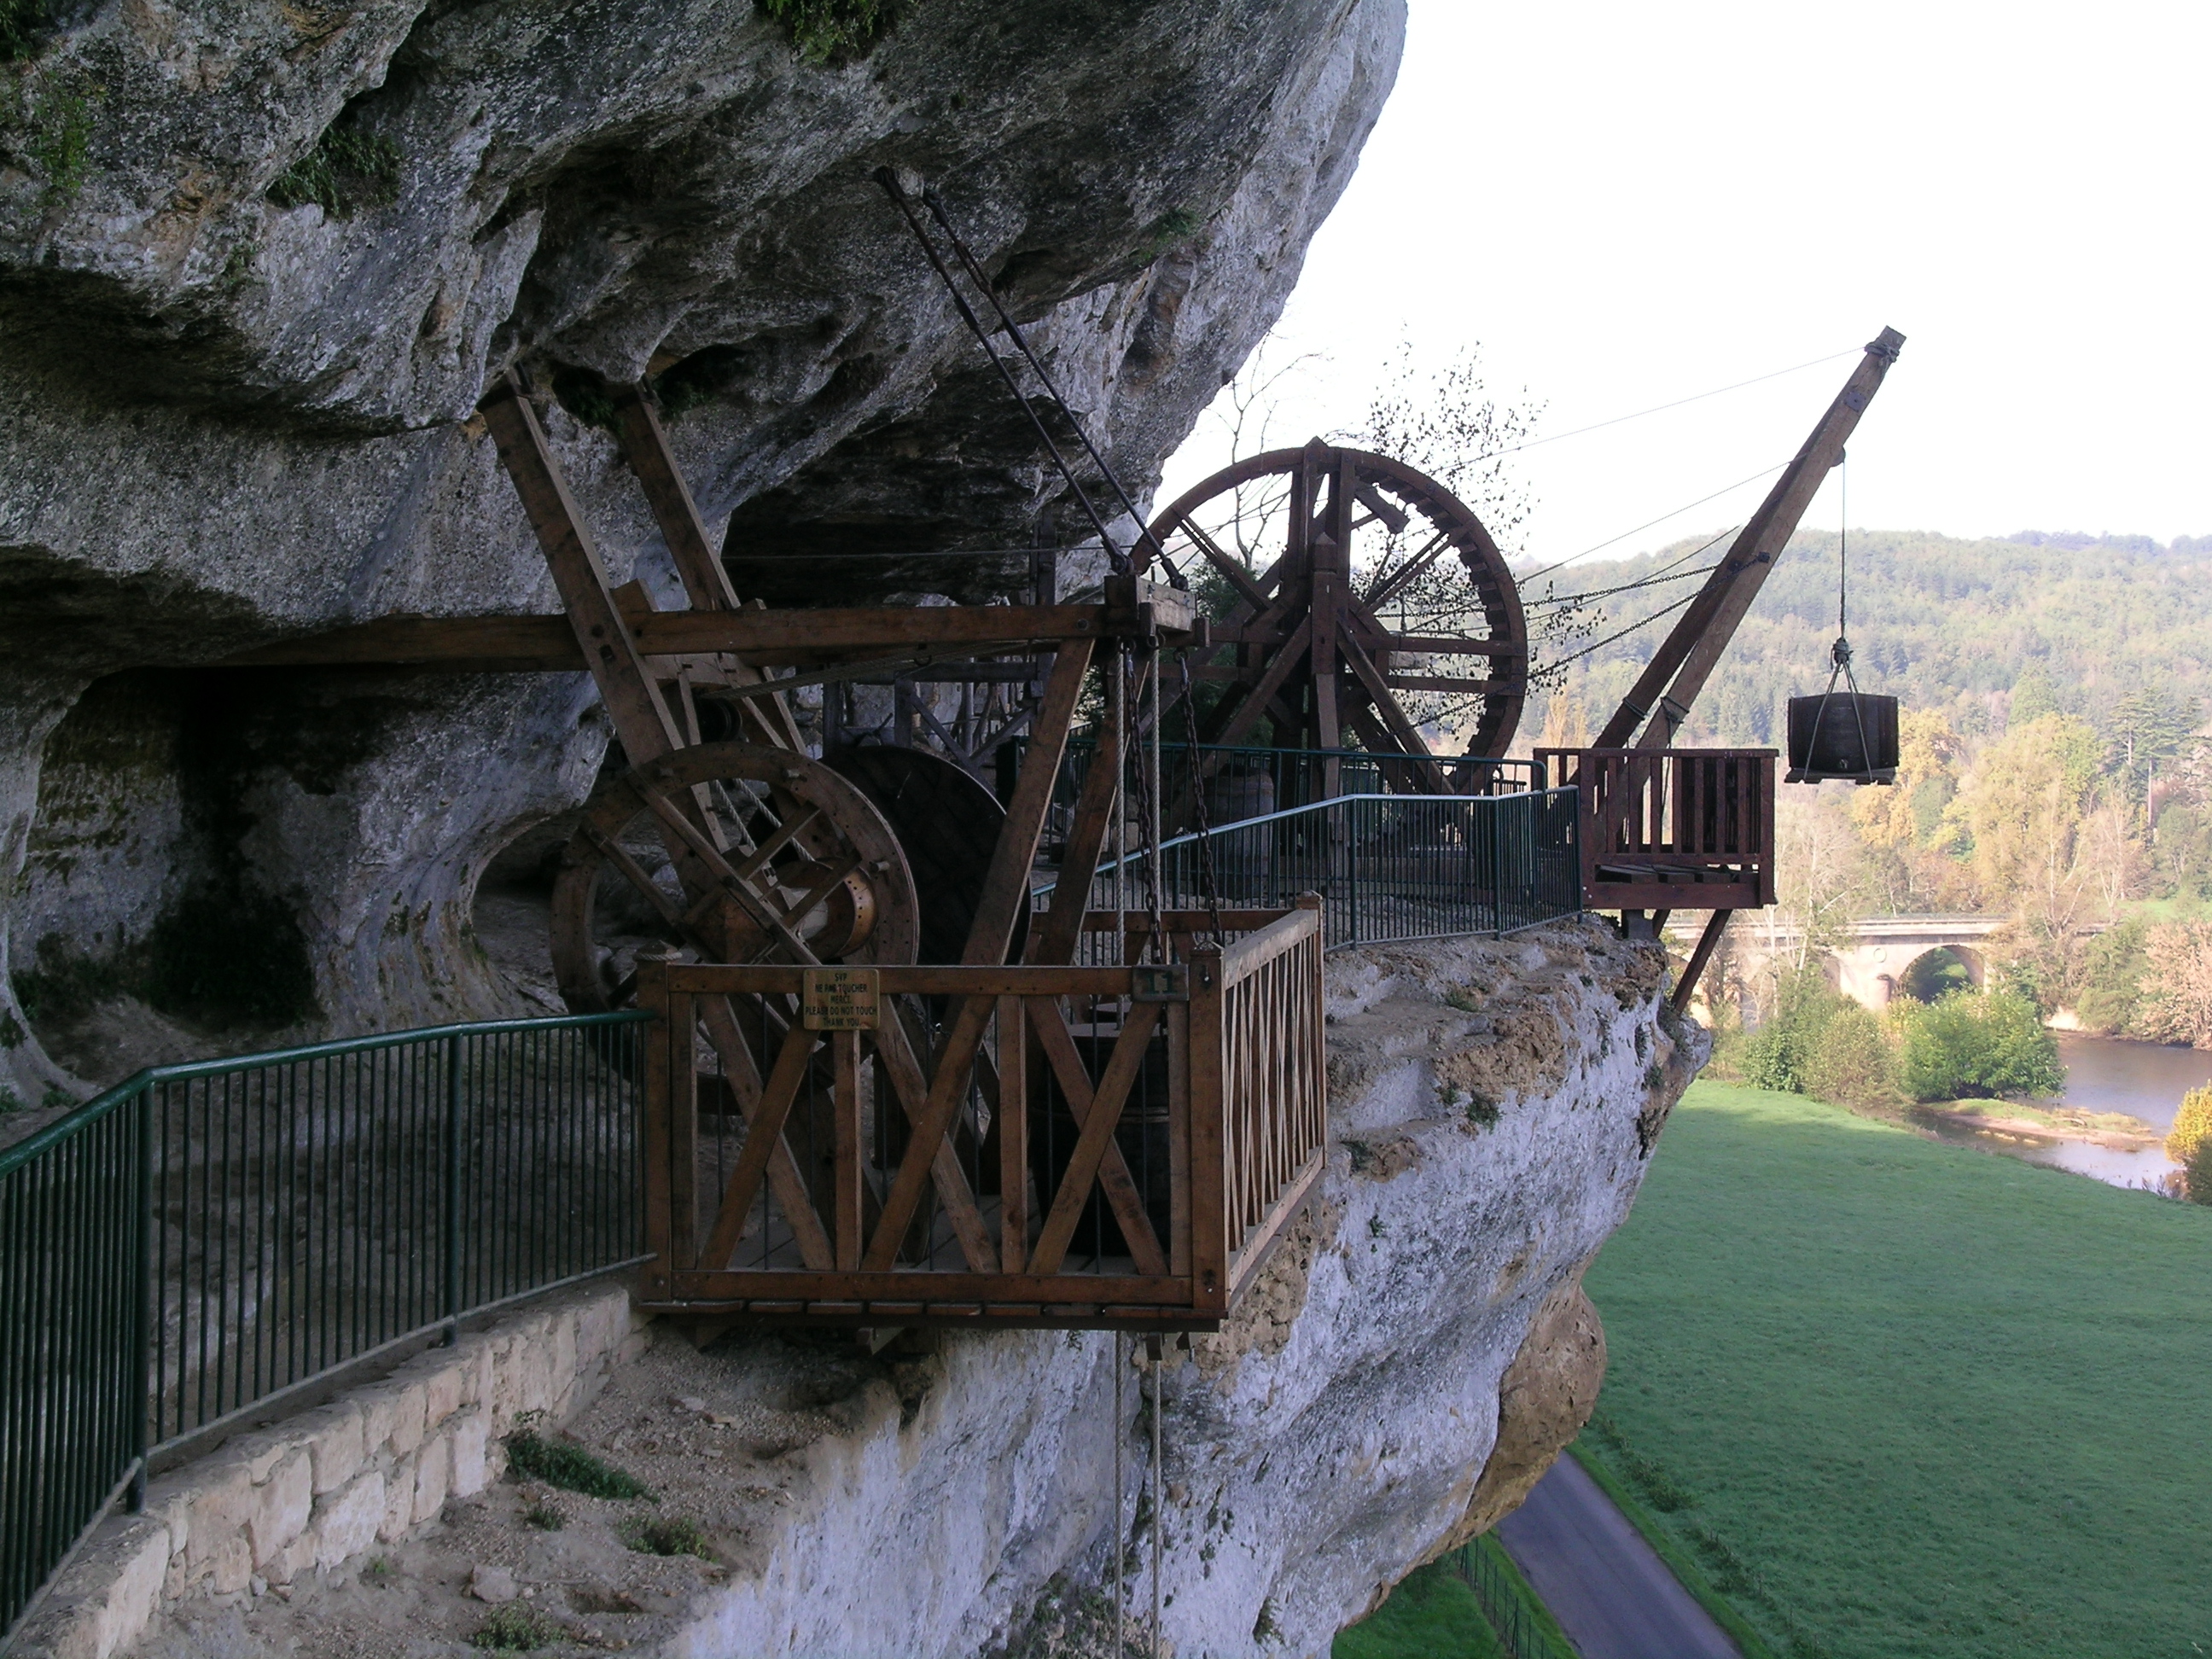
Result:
{"points": [[1524, 1629], [208, 1236], [1234, 782], [1387, 868]]}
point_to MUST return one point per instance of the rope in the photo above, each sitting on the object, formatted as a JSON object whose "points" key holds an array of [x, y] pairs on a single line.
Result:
{"points": [[1159, 1499], [975, 275], [1662, 519], [1120, 1601], [1661, 409], [1839, 653], [889, 180]]}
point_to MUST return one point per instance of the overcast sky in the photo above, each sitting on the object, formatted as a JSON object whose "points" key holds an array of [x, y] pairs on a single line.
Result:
{"points": [[1626, 203]]}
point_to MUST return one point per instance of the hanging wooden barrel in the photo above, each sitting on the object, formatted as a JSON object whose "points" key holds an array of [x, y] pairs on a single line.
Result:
{"points": [[1848, 737]]}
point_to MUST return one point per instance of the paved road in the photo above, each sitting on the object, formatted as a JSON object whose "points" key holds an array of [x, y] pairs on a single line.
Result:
{"points": [[1609, 1590]]}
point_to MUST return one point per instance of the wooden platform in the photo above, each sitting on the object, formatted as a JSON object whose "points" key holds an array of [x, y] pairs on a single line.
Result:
{"points": [[1672, 829], [1116, 1146]]}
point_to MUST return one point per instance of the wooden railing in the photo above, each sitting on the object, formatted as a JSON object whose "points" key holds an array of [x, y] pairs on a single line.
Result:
{"points": [[1672, 829], [1092, 1146], [1273, 1084]]}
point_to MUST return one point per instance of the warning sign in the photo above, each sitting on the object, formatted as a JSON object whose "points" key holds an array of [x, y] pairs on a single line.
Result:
{"points": [[837, 998]]}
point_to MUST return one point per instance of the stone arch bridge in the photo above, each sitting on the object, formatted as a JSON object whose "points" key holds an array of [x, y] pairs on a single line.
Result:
{"points": [[1872, 965]]}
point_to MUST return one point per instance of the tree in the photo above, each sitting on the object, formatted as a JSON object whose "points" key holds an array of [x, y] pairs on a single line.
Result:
{"points": [[2032, 699], [1929, 756], [1817, 869], [2189, 1143], [1976, 1044], [1566, 723], [2176, 1000], [2113, 968], [2023, 802], [2148, 728], [2047, 846], [1903, 826]]}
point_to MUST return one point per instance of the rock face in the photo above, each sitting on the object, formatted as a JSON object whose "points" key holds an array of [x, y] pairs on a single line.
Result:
{"points": [[258, 261], [1414, 1356]]}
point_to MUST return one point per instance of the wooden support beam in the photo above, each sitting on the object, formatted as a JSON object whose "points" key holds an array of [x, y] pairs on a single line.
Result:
{"points": [[706, 584], [1088, 1164], [1012, 1128], [762, 638], [1255, 705], [1715, 924], [640, 716], [644, 447], [1006, 886], [1402, 730], [1095, 808]]}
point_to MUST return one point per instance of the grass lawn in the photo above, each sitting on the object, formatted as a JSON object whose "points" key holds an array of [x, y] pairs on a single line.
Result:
{"points": [[1902, 1399], [1431, 1614]]}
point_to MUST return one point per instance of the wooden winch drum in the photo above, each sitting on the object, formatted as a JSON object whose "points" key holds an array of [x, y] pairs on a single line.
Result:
{"points": [[1848, 737]]}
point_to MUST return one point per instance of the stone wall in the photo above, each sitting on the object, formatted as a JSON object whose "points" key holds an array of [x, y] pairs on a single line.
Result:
{"points": [[315, 1491]]}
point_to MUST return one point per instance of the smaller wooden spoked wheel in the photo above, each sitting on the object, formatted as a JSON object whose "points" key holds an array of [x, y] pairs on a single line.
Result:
{"points": [[802, 865]]}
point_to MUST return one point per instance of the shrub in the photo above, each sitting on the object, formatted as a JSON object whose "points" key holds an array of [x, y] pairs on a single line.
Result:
{"points": [[2113, 968], [558, 1463], [1978, 1044], [516, 1629], [2189, 1143], [346, 171], [831, 31], [1850, 1063], [1780, 1052], [22, 24], [671, 1536]]}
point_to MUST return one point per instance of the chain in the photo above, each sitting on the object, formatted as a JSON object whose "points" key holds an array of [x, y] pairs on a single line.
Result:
{"points": [[1205, 871], [1120, 1599], [1138, 764]]}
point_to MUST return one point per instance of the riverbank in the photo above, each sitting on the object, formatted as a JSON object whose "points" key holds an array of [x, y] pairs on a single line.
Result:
{"points": [[1882, 1389], [2110, 1123], [2115, 1131]]}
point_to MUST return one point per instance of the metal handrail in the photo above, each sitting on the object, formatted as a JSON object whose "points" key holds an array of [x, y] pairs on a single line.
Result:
{"points": [[1507, 1601], [1388, 868], [207, 1236], [19, 1152]]}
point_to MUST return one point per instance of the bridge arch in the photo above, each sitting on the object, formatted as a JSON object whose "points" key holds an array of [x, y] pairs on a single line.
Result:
{"points": [[1921, 978], [1872, 965]]}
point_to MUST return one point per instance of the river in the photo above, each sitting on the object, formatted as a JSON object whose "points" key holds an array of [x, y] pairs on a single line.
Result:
{"points": [[2108, 1074]]}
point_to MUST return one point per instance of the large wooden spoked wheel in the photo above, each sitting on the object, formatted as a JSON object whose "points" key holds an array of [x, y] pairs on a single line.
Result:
{"points": [[1325, 548], [817, 871]]}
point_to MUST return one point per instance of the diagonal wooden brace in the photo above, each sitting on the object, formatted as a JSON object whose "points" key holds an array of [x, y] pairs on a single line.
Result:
{"points": [[763, 1136], [1091, 1147]]}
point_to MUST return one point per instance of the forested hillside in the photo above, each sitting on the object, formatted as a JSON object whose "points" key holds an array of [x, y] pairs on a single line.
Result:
{"points": [[2074, 624], [2056, 766]]}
